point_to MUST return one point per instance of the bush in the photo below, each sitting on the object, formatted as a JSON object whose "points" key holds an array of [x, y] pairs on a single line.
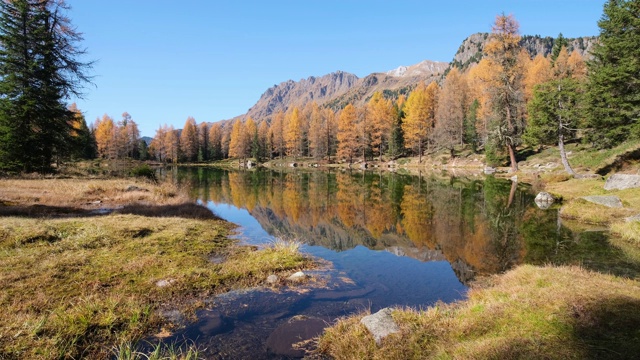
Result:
{"points": [[144, 171]]}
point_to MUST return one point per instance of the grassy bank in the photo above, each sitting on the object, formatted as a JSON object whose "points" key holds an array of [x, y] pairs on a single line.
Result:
{"points": [[77, 285], [527, 313]]}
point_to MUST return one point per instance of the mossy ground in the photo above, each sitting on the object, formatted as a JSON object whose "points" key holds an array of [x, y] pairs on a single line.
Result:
{"points": [[528, 313], [80, 287]]}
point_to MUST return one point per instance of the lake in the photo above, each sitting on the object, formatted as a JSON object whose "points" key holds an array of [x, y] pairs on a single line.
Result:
{"points": [[384, 239]]}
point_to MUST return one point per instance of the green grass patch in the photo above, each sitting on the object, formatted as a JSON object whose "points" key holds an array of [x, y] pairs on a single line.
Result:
{"points": [[76, 287], [528, 313], [590, 213]]}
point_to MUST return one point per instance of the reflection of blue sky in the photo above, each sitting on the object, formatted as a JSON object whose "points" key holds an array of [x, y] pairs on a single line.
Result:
{"points": [[398, 280]]}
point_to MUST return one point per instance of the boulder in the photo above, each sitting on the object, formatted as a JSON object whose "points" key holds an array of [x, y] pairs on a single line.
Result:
{"points": [[514, 178], [299, 276], [633, 218], [544, 200], [293, 164], [272, 279], [133, 188], [609, 201], [250, 164], [380, 324], [364, 165], [165, 283], [622, 181]]}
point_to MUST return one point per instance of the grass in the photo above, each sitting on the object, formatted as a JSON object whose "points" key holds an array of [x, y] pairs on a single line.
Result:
{"points": [[73, 287], [527, 313]]}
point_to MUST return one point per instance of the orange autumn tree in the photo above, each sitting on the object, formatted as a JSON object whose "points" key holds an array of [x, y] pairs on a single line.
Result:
{"points": [[419, 119], [189, 140], [203, 141], [294, 132], [451, 111], [237, 143], [381, 116], [506, 96], [105, 131], [348, 133], [276, 134], [215, 142]]}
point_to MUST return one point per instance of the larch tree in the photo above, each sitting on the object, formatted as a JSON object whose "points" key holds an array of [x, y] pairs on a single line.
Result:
{"points": [[507, 95], [381, 116], [348, 133], [203, 141], [106, 137], [39, 70], [294, 132], [83, 145], [614, 75], [451, 111], [251, 138], [238, 142], [317, 143], [215, 142], [189, 140], [172, 144], [127, 137], [420, 116], [277, 134], [264, 143], [537, 72], [330, 131]]}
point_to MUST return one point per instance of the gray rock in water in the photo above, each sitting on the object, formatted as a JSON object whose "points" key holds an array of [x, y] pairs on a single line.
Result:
{"points": [[299, 276], [622, 181], [272, 279], [544, 200], [489, 170], [380, 324], [609, 201]]}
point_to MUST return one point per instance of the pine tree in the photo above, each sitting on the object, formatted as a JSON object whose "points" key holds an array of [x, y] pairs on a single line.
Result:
{"points": [[614, 75], [38, 71]]}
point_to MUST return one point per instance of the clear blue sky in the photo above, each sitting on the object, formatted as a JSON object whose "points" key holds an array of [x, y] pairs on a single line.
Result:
{"points": [[165, 60]]}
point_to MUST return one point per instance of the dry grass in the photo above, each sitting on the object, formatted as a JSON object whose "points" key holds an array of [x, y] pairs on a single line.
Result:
{"points": [[83, 193], [594, 214], [528, 313], [74, 287]]}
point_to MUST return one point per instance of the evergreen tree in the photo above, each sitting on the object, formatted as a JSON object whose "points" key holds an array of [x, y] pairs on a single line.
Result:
{"points": [[558, 44], [38, 71], [470, 120], [614, 75]]}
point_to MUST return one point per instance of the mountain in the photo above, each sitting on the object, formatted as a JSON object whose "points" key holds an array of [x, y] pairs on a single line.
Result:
{"points": [[298, 93], [339, 88], [470, 51]]}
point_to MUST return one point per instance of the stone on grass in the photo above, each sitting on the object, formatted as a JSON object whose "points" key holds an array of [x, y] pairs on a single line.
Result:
{"points": [[380, 324], [165, 283], [489, 170], [299, 276], [622, 181], [633, 218], [544, 200], [609, 201], [272, 279], [133, 188]]}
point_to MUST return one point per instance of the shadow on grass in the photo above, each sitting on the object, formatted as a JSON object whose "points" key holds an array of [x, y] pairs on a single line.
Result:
{"points": [[186, 211], [609, 329]]}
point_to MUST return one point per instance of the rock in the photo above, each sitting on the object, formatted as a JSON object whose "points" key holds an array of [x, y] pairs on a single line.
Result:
{"points": [[364, 165], [514, 178], [133, 188], [299, 276], [609, 201], [164, 283], [250, 164], [622, 181], [297, 329], [489, 170], [391, 164], [544, 200], [293, 164], [380, 324], [272, 279], [633, 218]]}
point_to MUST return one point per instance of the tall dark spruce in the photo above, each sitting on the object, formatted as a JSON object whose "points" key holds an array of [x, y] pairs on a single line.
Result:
{"points": [[614, 75], [40, 68]]}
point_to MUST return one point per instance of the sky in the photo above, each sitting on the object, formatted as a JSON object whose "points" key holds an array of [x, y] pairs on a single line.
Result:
{"points": [[165, 60]]}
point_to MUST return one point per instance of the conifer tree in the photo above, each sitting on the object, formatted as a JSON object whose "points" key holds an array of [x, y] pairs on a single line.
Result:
{"points": [[614, 75], [39, 69]]}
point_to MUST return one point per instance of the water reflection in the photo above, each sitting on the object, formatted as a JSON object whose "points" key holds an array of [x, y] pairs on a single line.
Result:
{"points": [[478, 226]]}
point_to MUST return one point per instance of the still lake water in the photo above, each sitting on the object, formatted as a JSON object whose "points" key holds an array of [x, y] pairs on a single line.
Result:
{"points": [[389, 240]]}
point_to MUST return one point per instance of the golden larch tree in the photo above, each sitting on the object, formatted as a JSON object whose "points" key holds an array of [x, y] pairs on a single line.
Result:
{"points": [[215, 142], [537, 71], [348, 133], [189, 140], [381, 116], [237, 142], [451, 111], [293, 132], [105, 132], [276, 133], [419, 119]]}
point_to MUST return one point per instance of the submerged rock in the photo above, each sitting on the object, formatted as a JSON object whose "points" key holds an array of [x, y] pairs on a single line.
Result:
{"points": [[622, 181], [297, 329], [609, 201], [380, 324]]}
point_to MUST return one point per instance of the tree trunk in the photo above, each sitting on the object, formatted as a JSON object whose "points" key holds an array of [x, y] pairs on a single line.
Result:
{"points": [[512, 158], [563, 155]]}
